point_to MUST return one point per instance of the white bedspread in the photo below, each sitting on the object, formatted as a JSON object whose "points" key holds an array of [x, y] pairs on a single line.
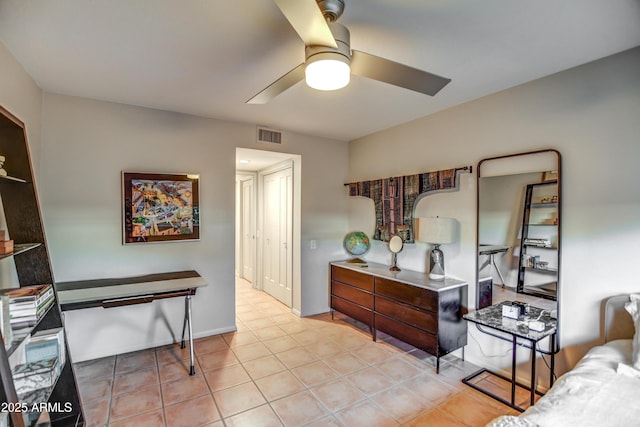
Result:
{"points": [[601, 391]]}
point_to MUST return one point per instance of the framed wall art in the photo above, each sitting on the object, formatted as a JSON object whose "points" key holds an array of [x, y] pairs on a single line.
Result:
{"points": [[160, 207]]}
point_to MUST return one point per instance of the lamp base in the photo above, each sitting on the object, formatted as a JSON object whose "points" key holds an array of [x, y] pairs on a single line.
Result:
{"points": [[436, 259]]}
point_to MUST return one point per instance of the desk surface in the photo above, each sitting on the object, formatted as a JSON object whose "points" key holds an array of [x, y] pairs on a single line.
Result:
{"points": [[492, 317], [103, 289], [492, 249]]}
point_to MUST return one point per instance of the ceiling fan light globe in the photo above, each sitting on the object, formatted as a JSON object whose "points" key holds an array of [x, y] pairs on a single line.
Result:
{"points": [[328, 74]]}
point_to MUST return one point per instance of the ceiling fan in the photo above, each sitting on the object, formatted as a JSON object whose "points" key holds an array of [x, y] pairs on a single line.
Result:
{"points": [[329, 60]]}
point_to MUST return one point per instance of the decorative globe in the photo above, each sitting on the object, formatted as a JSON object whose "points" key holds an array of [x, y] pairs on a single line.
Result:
{"points": [[357, 243]]}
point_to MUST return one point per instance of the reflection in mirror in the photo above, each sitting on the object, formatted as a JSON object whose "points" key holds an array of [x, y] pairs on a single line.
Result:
{"points": [[518, 226], [395, 246]]}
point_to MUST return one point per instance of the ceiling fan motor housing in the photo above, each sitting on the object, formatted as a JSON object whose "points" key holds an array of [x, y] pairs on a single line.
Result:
{"points": [[342, 53]]}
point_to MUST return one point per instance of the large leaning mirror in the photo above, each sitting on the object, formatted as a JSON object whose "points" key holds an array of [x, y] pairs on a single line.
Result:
{"points": [[518, 229]]}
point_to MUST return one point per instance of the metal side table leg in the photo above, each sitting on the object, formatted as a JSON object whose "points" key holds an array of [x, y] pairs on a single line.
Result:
{"points": [[187, 322], [186, 319], [192, 370], [493, 261], [533, 373], [513, 373]]}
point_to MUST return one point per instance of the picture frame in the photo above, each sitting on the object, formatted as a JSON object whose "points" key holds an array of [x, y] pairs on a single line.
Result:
{"points": [[160, 207]]}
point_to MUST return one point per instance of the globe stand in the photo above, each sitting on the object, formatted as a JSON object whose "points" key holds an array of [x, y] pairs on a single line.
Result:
{"points": [[356, 261]]}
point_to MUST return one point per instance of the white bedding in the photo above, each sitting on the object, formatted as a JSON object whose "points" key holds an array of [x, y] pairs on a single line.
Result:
{"points": [[602, 390]]}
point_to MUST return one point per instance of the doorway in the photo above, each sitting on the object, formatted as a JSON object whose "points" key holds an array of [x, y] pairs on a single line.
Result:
{"points": [[267, 223]]}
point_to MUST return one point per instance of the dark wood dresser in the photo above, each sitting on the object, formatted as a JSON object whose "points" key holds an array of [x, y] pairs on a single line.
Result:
{"points": [[404, 304]]}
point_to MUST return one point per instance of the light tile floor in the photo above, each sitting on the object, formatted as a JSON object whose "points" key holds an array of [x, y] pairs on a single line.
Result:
{"points": [[282, 370]]}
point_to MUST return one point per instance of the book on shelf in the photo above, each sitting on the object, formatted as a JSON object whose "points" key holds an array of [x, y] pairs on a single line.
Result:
{"points": [[29, 293], [28, 303], [543, 243]]}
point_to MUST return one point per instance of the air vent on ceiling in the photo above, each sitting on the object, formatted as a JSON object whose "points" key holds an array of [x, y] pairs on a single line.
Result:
{"points": [[269, 135]]}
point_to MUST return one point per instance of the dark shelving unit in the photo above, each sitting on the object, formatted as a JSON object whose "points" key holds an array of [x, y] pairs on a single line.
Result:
{"points": [[538, 243], [33, 267]]}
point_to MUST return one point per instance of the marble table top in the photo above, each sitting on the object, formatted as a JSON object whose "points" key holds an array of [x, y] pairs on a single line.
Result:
{"points": [[492, 317]]}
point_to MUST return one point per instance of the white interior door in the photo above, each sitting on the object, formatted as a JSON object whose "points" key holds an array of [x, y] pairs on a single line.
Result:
{"points": [[278, 229], [247, 228]]}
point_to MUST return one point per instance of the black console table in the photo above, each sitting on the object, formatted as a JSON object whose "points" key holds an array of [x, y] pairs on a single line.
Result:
{"points": [[118, 292], [489, 320]]}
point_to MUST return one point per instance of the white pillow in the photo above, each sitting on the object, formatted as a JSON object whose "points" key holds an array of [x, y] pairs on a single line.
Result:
{"points": [[633, 308]]}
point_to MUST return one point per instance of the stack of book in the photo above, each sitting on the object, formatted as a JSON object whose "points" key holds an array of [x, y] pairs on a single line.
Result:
{"points": [[541, 243], [28, 303]]}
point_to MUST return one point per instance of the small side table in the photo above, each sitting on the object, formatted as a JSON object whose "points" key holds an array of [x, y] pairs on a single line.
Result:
{"points": [[489, 320]]}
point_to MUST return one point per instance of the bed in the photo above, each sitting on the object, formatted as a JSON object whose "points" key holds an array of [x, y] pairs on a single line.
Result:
{"points": [[604, 387]]}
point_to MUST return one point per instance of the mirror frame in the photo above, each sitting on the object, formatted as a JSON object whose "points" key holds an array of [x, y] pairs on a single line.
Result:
{"points": [[560, 220]]}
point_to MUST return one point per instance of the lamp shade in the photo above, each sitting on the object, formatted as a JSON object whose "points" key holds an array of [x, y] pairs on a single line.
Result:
{"points": [[436, 230]]}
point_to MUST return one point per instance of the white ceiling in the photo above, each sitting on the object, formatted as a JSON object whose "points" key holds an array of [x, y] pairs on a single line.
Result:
{"points": [[208, 57]]}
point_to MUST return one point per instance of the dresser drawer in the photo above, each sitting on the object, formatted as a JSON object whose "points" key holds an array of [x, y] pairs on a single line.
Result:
{"points": [[414, 295], [352, 310], [352, 294], [408, 314], [353, 278], [414, 336]]}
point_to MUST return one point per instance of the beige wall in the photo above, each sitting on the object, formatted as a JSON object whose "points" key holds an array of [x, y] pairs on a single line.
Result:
{"points": [[591, 115]]}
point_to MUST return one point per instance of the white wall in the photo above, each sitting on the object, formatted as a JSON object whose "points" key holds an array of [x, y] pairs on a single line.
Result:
{"points": [[591, 115]]}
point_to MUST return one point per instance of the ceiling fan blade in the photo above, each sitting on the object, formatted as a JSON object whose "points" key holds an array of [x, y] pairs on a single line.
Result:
{"points": [[306, 18], [384, 70], [279, 86]]}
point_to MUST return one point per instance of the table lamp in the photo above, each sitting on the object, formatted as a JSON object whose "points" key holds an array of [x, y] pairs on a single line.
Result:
{"points": [[437, 231]]}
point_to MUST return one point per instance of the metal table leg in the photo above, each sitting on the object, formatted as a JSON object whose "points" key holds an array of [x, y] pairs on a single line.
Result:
{"points": [[187, 321], [533, 372], [553, 359], [492, 260], [513, 373]]}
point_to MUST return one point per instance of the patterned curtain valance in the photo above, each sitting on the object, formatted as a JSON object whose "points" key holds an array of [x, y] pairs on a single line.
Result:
{"points": [[394, 199]]}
